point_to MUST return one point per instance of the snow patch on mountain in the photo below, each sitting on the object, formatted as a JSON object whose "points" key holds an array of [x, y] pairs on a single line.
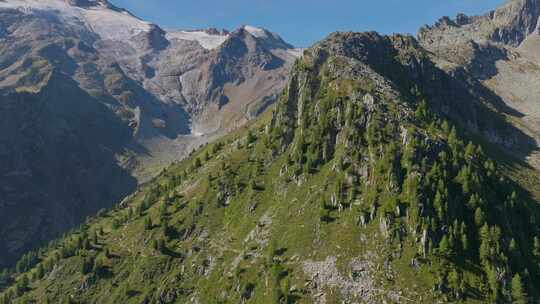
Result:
{"points": [[104, 21], [114, 25], [119, 25], [206, 40], [256, 31]]}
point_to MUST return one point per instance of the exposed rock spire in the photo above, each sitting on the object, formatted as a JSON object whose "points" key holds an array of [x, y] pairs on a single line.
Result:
{"points": [[509, 24]]}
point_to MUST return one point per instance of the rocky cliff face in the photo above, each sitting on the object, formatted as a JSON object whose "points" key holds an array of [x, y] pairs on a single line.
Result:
{"points": [[95, 99], [498, 51], [510, 25]]}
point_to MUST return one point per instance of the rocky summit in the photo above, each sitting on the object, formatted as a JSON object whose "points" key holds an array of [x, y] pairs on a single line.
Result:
{"points": [[370, 169]]}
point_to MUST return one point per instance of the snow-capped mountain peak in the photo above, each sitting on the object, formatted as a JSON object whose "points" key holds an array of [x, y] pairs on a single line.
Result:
{"points": [[256, 31], [211, 39], [207, 39], [97, 15]]}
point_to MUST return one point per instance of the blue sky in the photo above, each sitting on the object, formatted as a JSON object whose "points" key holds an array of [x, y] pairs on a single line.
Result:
{"points": [[303, 22]]}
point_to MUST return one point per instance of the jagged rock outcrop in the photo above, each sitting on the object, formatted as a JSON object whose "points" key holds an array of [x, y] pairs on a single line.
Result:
{"points": [[455, 94], [496, 53], [510, 24]]}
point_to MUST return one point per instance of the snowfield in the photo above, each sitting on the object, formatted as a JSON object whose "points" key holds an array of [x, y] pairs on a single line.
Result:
{"points": [[255, 31], [119, 25], [211, 42], [206, 40], [107, 23]]}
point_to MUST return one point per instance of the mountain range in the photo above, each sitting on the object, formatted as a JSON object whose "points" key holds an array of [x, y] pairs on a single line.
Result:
{"points": [[365, 169], [95, 101]]}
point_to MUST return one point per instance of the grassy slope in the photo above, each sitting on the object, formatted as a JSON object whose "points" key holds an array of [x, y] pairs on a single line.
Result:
{"points": [[295, 228]]}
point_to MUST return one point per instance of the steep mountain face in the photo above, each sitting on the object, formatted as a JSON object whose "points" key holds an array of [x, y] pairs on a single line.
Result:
{"points": [[500, 50], [56, 168], [95, 100], [356, 189]]}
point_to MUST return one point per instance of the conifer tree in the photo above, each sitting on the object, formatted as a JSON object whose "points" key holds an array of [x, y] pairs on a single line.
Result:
{"points": [[95, 237], [87, 265], [479, 217], [493, 284], [518, 293], [444, 246], [484, 251], [22, 285], [147, 223], [4, 277], [536, 248], [163, 211], [40, 272], [250, 137]]}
